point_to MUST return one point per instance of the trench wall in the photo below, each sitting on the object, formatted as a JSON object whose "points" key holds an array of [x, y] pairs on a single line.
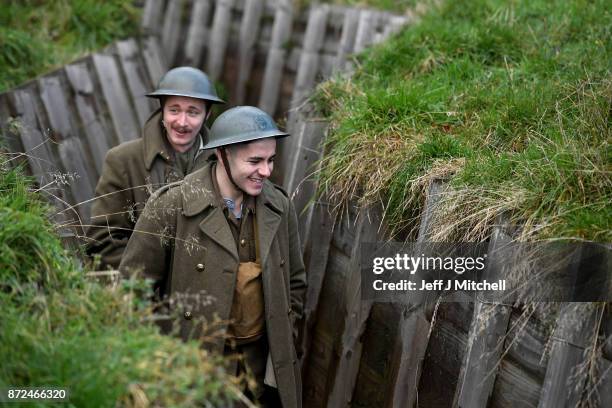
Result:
{"points": [[270, 54]]}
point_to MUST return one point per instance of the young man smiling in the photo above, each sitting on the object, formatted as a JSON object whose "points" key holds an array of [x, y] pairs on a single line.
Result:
{"points": [[171, 147], [228, 232]]}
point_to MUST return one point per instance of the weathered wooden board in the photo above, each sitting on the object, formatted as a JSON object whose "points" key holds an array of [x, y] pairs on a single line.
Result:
{"points": [[313, 39], [356, 313], [445, 351], [198, 33], [316, 251], [514, 387], [93, 127], [219, 38], [72, 154], [151, 16], [171, 30], [275, 63], [414, 326], [373, 386], [36, 144], [329, 323], [487, 334], [366, 29], [155, 62], [347, 40], [249, 31], [117, 100], [574, 332], [137, 80]]}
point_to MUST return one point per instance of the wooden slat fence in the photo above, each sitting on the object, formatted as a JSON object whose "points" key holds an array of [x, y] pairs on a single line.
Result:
{"points": [[267, 53], [478, 353], [65, 121]]}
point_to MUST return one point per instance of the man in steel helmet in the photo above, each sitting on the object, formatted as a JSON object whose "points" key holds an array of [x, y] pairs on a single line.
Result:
{"points": [[171, 147], [228, 232]]}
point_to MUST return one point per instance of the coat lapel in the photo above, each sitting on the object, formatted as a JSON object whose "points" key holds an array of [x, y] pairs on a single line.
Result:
{"points": [[215, 226], [269, 213], [199, 198]]}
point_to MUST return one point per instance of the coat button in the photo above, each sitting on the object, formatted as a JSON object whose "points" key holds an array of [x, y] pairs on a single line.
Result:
{"points": [[187, 315], [282, 262], [242, 242], [200, 267]]}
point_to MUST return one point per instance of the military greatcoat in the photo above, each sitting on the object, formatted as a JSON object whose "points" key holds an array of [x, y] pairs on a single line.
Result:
{"points": [[131, 172], [185, 245]]}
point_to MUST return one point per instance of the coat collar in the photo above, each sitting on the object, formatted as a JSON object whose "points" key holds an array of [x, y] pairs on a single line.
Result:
{"points": [[198, 196], [154, 140]]}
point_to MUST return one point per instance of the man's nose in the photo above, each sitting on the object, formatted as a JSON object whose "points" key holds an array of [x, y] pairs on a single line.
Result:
{"points": [[182, 119], [265, 170]]}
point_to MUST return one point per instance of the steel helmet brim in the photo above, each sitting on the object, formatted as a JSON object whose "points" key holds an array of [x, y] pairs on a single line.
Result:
{"points": [[168, 92], [245, 138]]}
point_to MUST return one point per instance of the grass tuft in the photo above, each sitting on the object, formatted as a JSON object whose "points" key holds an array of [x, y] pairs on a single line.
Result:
{"points": [[59, 329], [510, 102], [38, 36]]}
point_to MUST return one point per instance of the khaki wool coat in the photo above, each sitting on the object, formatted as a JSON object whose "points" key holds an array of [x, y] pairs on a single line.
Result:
{"points": [[131, 172], [185, 245]]}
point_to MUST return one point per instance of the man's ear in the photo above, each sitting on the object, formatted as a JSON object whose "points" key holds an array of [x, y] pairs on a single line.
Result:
{"points": [[218, 156]]}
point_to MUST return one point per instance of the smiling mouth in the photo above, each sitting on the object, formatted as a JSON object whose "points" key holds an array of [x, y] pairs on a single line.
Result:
{"points": [[182, 132]]}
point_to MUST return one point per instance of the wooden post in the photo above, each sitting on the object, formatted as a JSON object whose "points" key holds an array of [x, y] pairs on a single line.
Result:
{"points": [[304, 154], [365, 30], [574, 332], [117, 100], [198, 32], [151, 16], [326, 333], [281, 32], [93, 128], [137, 85], [155, 62], [34, 142], [71, 152], [219, 38], [487, 333], [249, 30], [172, 30], [414, 326], [357, 313], [316, 252], [309, 58], [347, 40]]}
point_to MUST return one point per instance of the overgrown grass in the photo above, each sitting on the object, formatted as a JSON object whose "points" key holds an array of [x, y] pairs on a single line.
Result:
{"points": [[38, 36], [509, 101], [60, 329]]}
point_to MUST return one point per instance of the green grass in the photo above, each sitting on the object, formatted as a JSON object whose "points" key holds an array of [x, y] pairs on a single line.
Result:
{"points": [[509, 101], [60, 329], [38, 36]]}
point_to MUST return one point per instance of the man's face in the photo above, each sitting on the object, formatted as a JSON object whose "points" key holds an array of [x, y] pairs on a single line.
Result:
{"points": [[183, 119], [252, 163]]}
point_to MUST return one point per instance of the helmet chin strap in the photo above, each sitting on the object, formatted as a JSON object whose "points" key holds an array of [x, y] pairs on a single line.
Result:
{"points": [[229, 171]]}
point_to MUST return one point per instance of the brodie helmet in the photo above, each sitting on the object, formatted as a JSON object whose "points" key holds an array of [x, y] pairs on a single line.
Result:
{"points": [[186, 81]]}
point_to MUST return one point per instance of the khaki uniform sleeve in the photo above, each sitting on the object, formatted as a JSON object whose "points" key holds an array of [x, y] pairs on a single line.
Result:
{"points": [[112, 218], [149, 250]]}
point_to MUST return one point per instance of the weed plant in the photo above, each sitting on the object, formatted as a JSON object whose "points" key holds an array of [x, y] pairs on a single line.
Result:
{"points": [[38, 36], [508, 101], [59, 329]]}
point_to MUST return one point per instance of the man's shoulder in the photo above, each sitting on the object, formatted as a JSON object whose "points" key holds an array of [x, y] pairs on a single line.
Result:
{"points": [[126, 150]]}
